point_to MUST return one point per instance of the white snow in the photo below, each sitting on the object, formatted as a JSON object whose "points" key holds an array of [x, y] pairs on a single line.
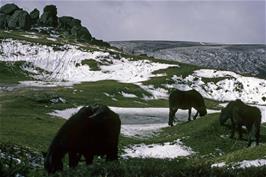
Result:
{"points": [[231, 86], [137, 122], [128, 95], [65, 64], [31, 36], [142, 130], [263, 113], [51, 39], [169, 150], [251, 163], [157, 93], [218, 165], [242, 164]]}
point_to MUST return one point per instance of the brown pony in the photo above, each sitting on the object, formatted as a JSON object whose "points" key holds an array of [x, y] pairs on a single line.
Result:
{"points": [[242, 114], [186, 100], [92, 131]]}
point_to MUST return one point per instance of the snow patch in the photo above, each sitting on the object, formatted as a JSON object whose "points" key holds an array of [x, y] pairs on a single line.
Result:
{"points": [[218, 165], [137, 122], [142, 130], [31, 36], [252, 163], [128, 95], [242, 164], [168, 150]]}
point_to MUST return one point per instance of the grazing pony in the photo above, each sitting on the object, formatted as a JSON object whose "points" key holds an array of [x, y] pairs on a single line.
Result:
{"points": [[93, 130], [242, 114], [186, 100]]}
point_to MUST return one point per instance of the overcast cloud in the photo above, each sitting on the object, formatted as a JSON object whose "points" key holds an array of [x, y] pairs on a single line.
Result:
{"points": [[207, 21]]}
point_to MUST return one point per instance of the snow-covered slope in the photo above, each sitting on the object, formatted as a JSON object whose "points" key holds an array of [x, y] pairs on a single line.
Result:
{"points": [[248, 58], [216, 85], [65, 63]]}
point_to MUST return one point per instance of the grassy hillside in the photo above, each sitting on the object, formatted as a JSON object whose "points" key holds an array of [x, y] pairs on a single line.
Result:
{"points": [[26, 128]]}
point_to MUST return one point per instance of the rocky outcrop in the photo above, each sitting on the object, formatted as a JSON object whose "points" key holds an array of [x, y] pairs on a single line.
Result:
{"points": [[70, 26], [15, 18], [3, 21], [34, 16], [19, 20], [8, 9], [49, 17]]}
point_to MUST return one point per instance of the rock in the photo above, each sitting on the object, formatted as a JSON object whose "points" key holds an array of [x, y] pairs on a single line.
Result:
{"points": [[66, 23], [81, 33], [34, 15], [49, 16], [8, 9], [19, 20], [3, 21]]}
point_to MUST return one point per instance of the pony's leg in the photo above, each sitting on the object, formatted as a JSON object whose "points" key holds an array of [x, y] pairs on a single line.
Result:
{"points": [[112, 154], [239, 129], [189, 114], [195, 116], [249, 137], [257, 134], [73, 159], [172, 112], [233, 131], [88, 157]]}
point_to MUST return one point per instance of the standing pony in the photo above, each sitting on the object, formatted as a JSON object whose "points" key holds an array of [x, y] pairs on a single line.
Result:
{"points": [[186, 100], [242, 114]]}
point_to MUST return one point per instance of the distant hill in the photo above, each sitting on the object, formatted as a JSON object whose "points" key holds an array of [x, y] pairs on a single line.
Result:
{"points": [[244, 59]]}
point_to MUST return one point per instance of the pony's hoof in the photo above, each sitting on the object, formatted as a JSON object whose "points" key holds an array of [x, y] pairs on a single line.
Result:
{"points": [[171, 124]]}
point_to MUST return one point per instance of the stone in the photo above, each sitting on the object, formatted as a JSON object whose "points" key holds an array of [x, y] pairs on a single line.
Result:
{"points": [[67, 22], [81, 33], [19, 20], [3, 21], [34, 15], [49, 16], [8, 9]]}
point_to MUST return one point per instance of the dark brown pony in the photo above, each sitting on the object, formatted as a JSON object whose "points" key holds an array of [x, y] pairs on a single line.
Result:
{"points": [[94, 130], [241, 114], [186, 100]]}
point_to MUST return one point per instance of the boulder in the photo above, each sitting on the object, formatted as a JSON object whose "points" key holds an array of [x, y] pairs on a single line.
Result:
{"points": [[81, 33], [34, 15], [49, 16], [19, 20], [66, 23], [8, 9], [3, 21]]}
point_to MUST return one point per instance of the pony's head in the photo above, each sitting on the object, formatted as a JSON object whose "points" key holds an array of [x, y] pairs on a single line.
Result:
{"points": [[53, 163], [202, 110], [224, 116]]}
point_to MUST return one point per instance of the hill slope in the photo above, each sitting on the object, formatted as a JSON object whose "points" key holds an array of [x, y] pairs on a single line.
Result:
{"points": [[243, 59]]}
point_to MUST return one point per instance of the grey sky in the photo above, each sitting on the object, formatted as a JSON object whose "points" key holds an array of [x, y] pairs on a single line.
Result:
{"points": [[221, 21]]}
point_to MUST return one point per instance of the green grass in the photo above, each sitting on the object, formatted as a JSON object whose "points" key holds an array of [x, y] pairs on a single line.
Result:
{"points": [[94, 65], [25, 122], [182, 70], [12, 72]]}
